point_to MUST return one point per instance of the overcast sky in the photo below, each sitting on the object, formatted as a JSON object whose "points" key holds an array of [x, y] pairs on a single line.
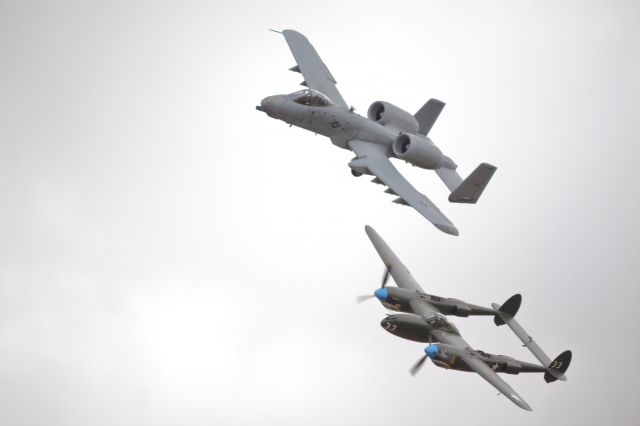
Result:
{"points": [[171, 256]]}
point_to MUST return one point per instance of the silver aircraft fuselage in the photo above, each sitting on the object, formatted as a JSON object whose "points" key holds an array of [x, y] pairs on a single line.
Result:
{"points": [[333, 121]]}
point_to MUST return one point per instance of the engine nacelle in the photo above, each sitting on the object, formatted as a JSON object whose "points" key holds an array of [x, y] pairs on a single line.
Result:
{"points": [[510, 367], [392, 116], [419, 151], [459, 308], [407, 326], [442, 357]]}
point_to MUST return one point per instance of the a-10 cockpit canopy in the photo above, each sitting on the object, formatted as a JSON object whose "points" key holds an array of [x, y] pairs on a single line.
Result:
{"points": [[310, 97], [438, 321]]}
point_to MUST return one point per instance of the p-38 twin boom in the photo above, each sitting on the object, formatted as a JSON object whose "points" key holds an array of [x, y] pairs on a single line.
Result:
{"points": [[422, 318]]}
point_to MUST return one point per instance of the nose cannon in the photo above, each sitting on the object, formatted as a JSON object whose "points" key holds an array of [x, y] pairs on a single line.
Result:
{"points": [[263, 104], [275, 106]]}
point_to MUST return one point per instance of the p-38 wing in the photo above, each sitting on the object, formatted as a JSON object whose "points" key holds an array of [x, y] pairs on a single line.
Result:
{"points": [[399, 272], [452, 342], [461, 349], [373, 157]]}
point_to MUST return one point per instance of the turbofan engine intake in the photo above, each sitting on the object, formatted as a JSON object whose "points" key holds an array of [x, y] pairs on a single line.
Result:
{"points": [[390, 115], [419, 151]]}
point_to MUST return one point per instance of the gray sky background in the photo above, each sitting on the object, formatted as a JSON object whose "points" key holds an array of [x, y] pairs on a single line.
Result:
{"points": [[170, 256]]}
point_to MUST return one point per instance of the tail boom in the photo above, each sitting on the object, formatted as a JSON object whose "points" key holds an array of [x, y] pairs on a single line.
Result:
{"points": [[554, 369]]}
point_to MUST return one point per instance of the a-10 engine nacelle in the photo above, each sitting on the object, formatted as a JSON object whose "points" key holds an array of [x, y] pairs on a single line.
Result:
{"points": [[407, 326], [393, 117], [420, 151]]}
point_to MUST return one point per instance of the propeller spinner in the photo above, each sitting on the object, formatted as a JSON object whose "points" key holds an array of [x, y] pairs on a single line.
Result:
{"points": [[382, 293], [430, 351]]}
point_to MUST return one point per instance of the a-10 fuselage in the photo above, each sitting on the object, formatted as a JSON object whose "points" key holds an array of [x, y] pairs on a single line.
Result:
{"points": [[311, 110], [321, 116]]}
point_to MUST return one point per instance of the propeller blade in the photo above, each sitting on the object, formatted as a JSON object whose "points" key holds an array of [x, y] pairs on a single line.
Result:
{"points": [[385, 277], [364, 298], [417, 366]]}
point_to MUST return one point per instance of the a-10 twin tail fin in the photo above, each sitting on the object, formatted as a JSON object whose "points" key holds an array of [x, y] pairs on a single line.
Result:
{"points": [[469, 190], [462, 191], [505, 314]]}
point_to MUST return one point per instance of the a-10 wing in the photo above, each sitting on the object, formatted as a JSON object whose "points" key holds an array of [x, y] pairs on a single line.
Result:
{"points": [[316, 74], [372, 156]]}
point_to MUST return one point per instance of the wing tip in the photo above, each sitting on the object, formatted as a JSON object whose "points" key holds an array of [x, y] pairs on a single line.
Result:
{"points": [[290, 32], [520, 402], [447, 229], [371, 232]]}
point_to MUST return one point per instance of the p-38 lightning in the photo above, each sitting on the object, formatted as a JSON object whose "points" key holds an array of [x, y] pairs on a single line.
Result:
{"points": [[387, 131], [423, 319]]}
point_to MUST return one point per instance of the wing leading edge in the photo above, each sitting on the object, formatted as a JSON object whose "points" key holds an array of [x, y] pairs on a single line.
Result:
{"points": [[399, 272], [492, 377], [466, 353], [316, 74], [373, 157]]}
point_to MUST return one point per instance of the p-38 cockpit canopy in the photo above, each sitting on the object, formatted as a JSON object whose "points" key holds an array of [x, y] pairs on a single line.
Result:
{"points": [[310, 97], [438, 321]]}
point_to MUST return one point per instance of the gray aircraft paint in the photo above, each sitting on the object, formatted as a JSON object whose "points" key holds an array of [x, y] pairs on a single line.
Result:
{"points": [[447, 349], [147, 206], [387, 131]]}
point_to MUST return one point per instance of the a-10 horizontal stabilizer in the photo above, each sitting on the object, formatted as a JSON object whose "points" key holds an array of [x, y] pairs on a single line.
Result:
{"points": [[554, 371], [470, 190]]}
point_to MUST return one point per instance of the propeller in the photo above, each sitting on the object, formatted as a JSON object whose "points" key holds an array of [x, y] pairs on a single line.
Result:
{"points": [[429, 352], [385, 277], [365, 297], [418, 365]]}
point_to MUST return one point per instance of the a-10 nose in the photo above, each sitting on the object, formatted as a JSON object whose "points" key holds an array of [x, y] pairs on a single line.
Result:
{"points": [[263, 105], [268, 103]]}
